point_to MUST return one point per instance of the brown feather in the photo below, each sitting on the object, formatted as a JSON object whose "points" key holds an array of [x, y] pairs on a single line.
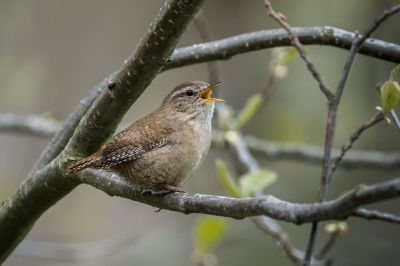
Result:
{"points": [[82, 164]]}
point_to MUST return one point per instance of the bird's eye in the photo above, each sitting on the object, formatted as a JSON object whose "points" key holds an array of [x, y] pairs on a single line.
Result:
{"points": [[189, 93]]}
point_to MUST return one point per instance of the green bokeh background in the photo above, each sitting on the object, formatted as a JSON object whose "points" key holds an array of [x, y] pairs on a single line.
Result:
{"points": [[52, 52]]}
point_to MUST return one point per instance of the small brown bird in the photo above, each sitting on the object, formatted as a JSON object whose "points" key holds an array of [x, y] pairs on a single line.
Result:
{"points": [[160, 151]]}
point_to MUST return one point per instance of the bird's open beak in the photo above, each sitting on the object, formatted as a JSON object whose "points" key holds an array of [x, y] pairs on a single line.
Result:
{"points": [[206, 94]]}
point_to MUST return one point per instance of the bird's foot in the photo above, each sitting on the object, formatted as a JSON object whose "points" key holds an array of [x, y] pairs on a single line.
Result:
{"points": [[166, 189]]}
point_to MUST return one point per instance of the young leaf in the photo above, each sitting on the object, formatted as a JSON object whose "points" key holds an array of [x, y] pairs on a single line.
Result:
{"points": [[226, 179], [252, 182], [286, 56], [390, 96], [208, 231], [395, 74], [251, 107], [337, 227]]}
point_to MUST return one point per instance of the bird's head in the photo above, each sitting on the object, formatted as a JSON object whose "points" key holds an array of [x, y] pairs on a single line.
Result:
{"points": [[192, 98]]}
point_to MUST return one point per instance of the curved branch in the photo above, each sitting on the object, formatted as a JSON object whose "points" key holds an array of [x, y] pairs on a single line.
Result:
{"points": [[224, 49], [239, 208]]}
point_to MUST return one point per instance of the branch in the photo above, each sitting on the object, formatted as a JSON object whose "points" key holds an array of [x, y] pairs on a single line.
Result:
{"points": [[36, 125], [395, 119], [273, 229], [46, 186], [354, 137], [376, 215], [333, 105], [313, 154], [247, 163], [226, 48], [246, 160], [294, 40], [129, 83], [271, 150], [240, 208], [64, 133]]}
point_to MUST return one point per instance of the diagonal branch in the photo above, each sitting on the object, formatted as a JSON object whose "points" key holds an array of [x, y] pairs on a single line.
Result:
{"points": [[46, 186], [376, 118], [294, 40], [136, 74]]}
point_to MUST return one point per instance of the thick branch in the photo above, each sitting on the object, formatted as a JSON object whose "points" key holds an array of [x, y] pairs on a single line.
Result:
{"points": [[43, 189], [135, 75], [34, 196], [239, 208], [224, 49]]}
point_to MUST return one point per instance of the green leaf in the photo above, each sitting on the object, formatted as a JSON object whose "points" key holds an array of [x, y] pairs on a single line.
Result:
{"points": [[226, 179], [252, 182], [390, 95], [395, 74], [251, 107], [286, 55], [208, 231]]}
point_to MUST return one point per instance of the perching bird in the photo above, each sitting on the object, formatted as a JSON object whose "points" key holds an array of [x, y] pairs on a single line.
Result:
{"points": [[160, 151]]}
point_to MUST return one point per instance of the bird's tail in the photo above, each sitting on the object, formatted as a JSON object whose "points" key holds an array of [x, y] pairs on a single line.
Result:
{"points": [[82, 164]]}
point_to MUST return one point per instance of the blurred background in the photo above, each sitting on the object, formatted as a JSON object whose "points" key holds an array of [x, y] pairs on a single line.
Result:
{"points": [[53, 52]]}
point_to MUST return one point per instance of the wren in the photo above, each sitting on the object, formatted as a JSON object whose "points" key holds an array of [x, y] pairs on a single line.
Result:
{"points": [[160, 151]]}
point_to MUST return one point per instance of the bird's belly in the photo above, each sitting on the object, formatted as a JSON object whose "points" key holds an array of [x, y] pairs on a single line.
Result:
{"points": [[168, 165]]}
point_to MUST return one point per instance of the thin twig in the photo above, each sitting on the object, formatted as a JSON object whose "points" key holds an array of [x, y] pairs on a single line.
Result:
{"points": [[376, 215], [376, 118], [281, 19], [395, 119], [274, 230]]}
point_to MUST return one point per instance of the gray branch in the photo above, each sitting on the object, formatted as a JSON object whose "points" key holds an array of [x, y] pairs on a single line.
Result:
{"points": [[376, 215], [313, 154], [29, 124], [239, 208], [45, 127], [224, 49], [48, 184]]}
